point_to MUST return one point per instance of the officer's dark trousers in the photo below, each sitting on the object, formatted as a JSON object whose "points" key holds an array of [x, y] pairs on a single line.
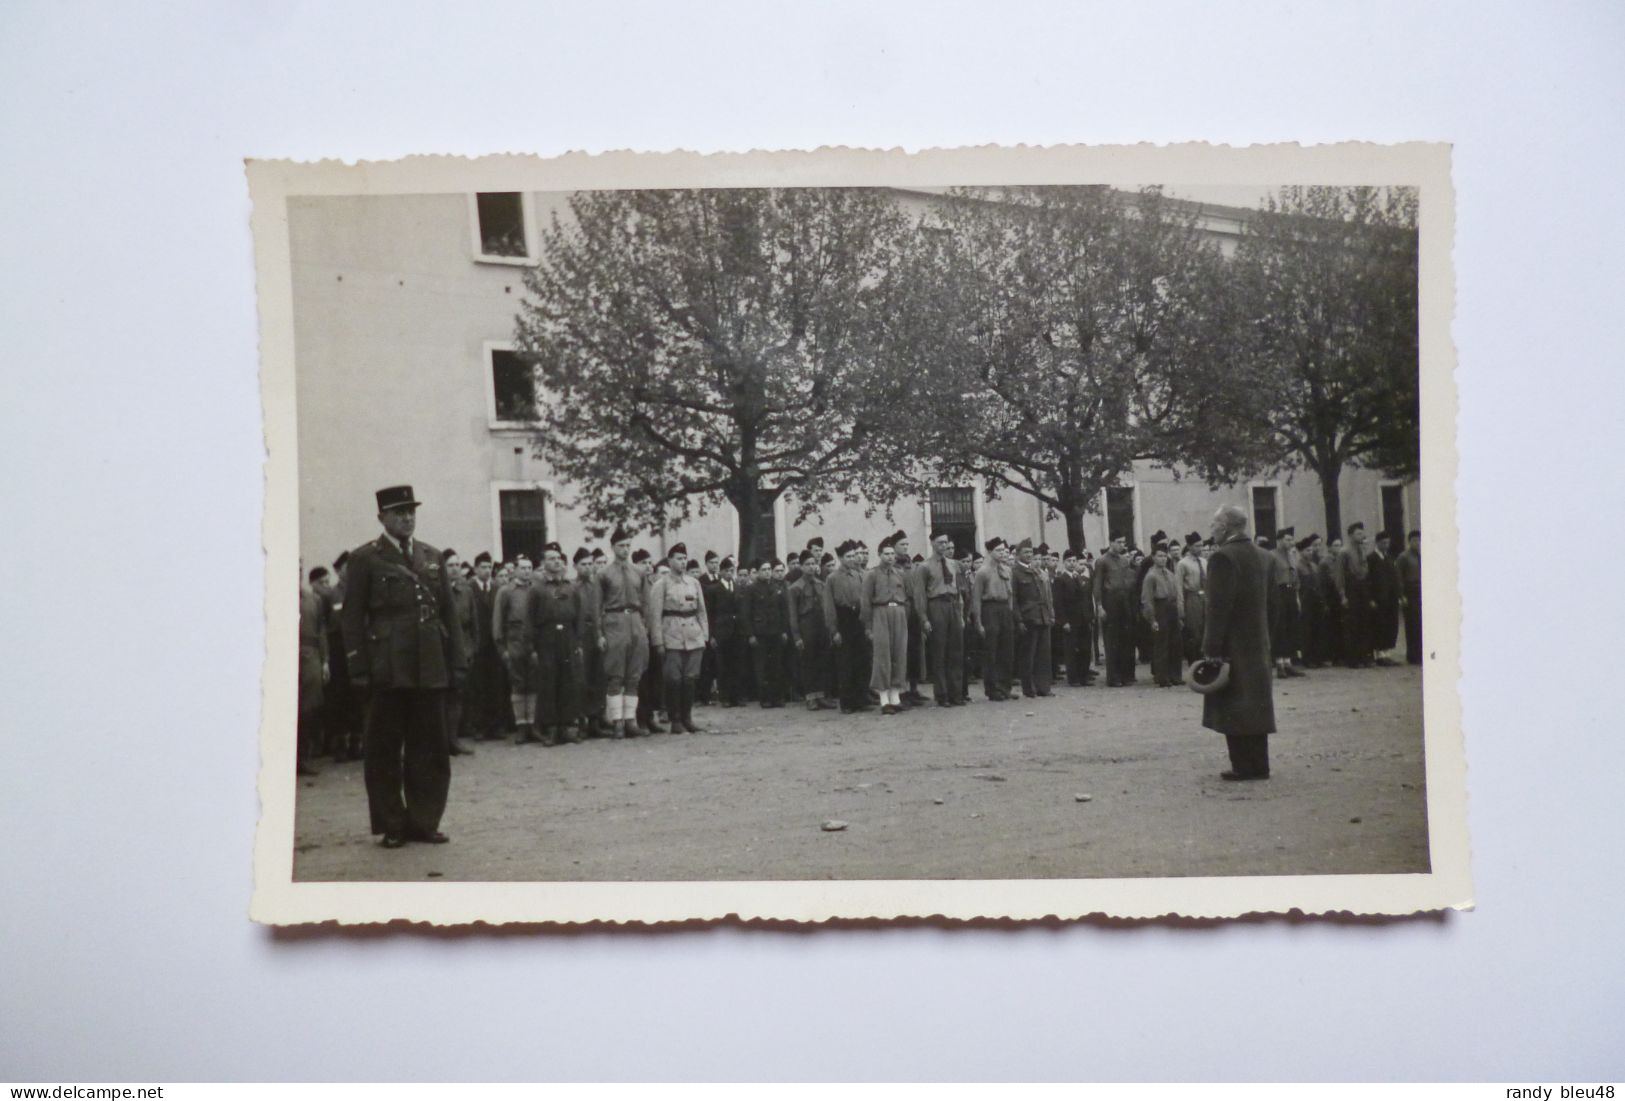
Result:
{"points": [[730, 665], [947, 646], [1357, 623], [768, 658], [1413, 624], [707, 687], [1121, 617], [1249, 754], [556, 675], [1167, 657], [851, 659], [407, 765], [998, 649], [1032, 658], [1078, 657], [812, 660]]}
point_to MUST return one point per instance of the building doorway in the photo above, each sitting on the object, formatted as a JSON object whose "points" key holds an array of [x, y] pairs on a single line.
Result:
{"points": [[523, 515], [1120, 514], [1393, 514], [953, 510]]}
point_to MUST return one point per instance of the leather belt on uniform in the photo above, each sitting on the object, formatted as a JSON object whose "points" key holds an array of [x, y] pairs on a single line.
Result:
{"points": [[690, 612], [426, 613], [946, 596], [611, 611], [891, 603]]}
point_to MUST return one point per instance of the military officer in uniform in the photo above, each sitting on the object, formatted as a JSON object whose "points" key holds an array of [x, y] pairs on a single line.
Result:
{"points": [[1035, 618], [677, 623], [404, 650]]}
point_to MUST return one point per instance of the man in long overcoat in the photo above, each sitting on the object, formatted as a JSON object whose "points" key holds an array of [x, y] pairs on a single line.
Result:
{"points": [[1238, 631]]}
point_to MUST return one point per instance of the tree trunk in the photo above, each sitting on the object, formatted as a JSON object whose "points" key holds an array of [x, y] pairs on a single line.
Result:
{"points": [[1074, 528], [1333, 501], [749, 502]]}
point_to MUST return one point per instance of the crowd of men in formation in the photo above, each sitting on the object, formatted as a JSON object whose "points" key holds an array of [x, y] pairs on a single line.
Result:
{"points": [[623, 645]]}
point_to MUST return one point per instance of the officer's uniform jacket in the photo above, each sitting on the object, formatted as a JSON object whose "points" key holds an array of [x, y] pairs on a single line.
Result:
{"points": [[765, 607], [677, 617], [400, 628], [1030, 591]]}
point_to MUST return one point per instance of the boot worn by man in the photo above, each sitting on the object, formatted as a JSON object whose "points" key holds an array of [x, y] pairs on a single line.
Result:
{"points": [[686, 706]]}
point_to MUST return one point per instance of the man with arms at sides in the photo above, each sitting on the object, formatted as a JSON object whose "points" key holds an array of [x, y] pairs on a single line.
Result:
{"points": [[705, 692], [1284, 618], [1162, 604], [623, 636], [314, 671], [1385, 596], [1117, 594], [465, 611], [1191, 573], [590, 671], [843, 618], [510, 629], [678, 625], [1034, 618], [727, 640], [885, 608], [994, 620], [938, 605], [1353, 580], [808, 634], [1238, 632], [404, 651], [1410, 594], [558, 618], [764, 610]]}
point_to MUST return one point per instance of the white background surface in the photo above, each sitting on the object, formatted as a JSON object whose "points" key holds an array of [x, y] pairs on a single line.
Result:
{"points": [[130, 457]]}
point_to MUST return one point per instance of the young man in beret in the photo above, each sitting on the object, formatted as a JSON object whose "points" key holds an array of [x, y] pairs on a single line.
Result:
{"points": [[994, 620], [623, 636], [558, 618], [1035, 617], [843, 619], [885, 610], [465, 609], [764, 610], [1117, 590], [590, 674], [808, 634], [404, 651], [934, 590], [510, 628]]}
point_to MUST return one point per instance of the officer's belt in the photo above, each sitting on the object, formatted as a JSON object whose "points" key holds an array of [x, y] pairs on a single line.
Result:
{"points": [[689, 612]]}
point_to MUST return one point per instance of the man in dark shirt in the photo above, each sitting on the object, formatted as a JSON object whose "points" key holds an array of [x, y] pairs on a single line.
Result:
{"points": [[764, 610]]}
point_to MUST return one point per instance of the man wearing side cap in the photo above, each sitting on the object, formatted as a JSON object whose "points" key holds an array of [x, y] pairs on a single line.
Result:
{"points": [[404, 650]]}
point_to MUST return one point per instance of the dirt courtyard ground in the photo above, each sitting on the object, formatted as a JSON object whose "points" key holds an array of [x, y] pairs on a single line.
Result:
{"points": [[989, 791]]}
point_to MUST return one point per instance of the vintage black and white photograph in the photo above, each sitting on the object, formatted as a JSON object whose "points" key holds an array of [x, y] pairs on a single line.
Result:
{"points": [[1060, 529]]}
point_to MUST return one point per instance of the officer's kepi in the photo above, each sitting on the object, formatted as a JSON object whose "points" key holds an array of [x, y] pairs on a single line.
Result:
{"points": [[396, 497]]}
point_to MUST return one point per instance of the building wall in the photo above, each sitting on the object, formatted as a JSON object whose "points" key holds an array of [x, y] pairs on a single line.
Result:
{"points": [[394, 313]]}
